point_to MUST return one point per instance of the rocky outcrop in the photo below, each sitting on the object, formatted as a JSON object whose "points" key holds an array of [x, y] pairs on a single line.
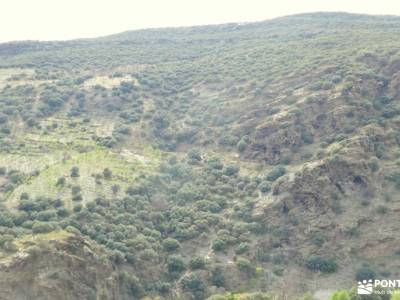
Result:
{"points": [[59, 266]]}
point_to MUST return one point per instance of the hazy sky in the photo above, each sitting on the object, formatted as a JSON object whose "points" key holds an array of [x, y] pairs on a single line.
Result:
{"points": [[67, 19]]}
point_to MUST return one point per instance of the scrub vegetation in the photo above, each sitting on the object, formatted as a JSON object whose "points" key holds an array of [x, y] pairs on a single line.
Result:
{"points": [[237, 161]]}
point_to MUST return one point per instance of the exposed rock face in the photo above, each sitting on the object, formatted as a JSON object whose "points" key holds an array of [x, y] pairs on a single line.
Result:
{"points": [[57, 268], [313, 187]]}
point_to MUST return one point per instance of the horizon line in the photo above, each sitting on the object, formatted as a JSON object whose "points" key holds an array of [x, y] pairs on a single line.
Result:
{"points": [[194, 25]]}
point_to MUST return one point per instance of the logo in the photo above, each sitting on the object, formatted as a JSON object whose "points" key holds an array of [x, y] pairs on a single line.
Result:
{"points": [[365, 287], [378, 286]]}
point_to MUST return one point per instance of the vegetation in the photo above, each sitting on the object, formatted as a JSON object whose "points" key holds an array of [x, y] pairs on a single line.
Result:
{"points": [[322, 264], [201, 162]]}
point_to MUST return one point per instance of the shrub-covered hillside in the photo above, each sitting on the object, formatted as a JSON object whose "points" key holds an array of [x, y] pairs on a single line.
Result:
{"points": [[220, 162]]}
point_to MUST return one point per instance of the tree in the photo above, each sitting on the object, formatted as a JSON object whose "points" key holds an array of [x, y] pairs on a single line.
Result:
{"points": [[160, 122], [27, 205], [24, 196], [307, 137], [242, 248], [217, 277], [215, 163], [194, 156], [75, 190], [125, 130], [134, 286], [322, 264], [276, 173], [3, 171], [175, 264], [6, 219], [42, 227], [77, 197], [46, 215], [75, 172], [77, 208], [126, 87], [264, 187], [115, 189], [231, 170], [107, 173], [245, 265], [341, 295], [60, 181], [195, 285], [241, 145], [163, 287], [62, 212], [218, 245], [170, 244], [365, 272], [197, 263], [5, 238]]}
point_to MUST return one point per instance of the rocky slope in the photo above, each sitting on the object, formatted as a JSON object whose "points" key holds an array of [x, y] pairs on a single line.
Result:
{"points": [[191, 162]]}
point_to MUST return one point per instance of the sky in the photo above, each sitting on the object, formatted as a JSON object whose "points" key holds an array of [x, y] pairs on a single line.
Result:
{"points": [[70, 19]]}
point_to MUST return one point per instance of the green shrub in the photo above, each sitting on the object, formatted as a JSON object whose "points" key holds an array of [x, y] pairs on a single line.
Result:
{"points": [[241, 145], [245, 265], [77, 198], [215, 163], [242, 248], [60, 181], [381, 209], [6, 219], [75, 172], [374, 165], [16, 177], [380, 150], [3, 171], [115, 188], [307, 137], [5, 238], [341, 295], [197, 263], [276, 173], [217, 276], [194, 284], [77, 207], [62, 212], [231, 170], [318, 239], [107, 173], [381, 102], [175, 264], [365, 272], [194, 155], [46, 215], [228, 140], [218, 245], [24, 196], [321, 264], [264, 187], [163, 287], [170, 244], [76, 189], [42, 227], [126, 87], [394, 177]]}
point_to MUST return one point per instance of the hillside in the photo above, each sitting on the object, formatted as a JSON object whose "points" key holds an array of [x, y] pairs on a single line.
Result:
{"points": [[236, 161]]}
